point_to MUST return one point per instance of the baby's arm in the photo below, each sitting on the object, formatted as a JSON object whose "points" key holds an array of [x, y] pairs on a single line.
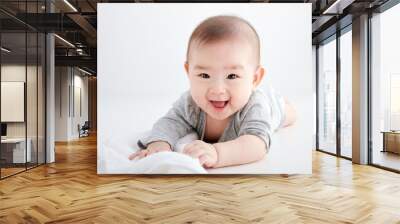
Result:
{"points": [[244, 149], [177, 123], [158, 146], [257, 121]]}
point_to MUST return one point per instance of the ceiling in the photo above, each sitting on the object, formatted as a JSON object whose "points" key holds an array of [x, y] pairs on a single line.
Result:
{"points": [[76, 22]]}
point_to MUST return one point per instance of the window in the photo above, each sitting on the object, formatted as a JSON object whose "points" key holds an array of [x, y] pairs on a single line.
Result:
{"points": [[327, 97], [346, 93], [385, 89]]}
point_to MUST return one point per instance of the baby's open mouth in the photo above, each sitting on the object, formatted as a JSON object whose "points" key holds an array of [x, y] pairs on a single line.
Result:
{"points": [[219, 104]]}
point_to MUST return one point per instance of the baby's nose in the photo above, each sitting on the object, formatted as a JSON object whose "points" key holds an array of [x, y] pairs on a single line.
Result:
{"points": [[218, 89]]}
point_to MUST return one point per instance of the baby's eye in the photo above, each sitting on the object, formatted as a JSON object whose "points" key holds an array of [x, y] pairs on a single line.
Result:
{"points": [[232, 76], [204, 76]]}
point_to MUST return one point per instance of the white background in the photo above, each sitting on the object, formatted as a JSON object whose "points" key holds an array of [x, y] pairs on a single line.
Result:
{"points": [[141, 52]]}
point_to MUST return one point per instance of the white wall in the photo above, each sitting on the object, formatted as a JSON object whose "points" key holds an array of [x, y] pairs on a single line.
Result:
{"points": [[67, 117], [61, 103], [33, 127], [15, 72], [314, 86]]}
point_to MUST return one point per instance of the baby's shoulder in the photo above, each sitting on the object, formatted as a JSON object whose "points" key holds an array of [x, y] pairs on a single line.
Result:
{"points": [[258, 98], [259, 103], [266, 97]]}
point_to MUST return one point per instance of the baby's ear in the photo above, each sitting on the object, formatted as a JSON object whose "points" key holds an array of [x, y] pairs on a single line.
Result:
{"points": [[186, 67], [258, 76]]}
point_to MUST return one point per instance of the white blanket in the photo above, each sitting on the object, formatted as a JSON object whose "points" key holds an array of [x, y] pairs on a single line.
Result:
{"points": [[290, 157], [116, 160]]}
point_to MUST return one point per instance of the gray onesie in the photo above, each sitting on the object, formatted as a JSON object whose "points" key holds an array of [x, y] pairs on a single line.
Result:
{"points": [[261, 116]]}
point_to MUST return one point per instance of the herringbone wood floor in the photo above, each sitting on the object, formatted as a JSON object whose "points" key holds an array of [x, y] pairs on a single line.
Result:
{"points": [[70, 191]]}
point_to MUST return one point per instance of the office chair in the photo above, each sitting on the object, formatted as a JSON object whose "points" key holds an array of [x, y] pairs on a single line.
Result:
{"points": [[84, 130]]}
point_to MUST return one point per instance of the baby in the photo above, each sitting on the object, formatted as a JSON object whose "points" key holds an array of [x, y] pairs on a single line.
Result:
{"points": [[234, 120]]}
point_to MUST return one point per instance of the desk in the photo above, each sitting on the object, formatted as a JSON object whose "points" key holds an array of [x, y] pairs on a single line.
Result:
{"points": [[13, 150], [391, 141]]}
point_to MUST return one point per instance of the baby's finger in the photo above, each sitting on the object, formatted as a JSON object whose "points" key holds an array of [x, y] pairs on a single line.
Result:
{"points": [[133, 155], [202, 159], [188, 148], [142, 153], [196, 152], [207, 161], [149, 152], [192, 144]]}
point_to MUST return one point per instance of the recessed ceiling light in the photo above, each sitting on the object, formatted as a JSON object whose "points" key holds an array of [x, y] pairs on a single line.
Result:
{"points": [[338, 6], [64, 40], [84, 71], [70, 5], [5, 50]]}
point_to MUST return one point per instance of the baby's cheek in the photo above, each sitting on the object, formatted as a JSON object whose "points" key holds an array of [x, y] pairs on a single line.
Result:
{"points": [[198, 98], [240, 100]]}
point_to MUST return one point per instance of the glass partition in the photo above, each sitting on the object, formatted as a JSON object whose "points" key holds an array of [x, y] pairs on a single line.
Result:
{"points": [[13, 105], [346, 94], [32, 95], [41, 87], [385, 89], [22, 63], [33, 72], [327, 97]]}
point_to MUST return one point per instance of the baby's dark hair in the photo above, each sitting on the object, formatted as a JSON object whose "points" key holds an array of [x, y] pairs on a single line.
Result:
{"points": [[222, 27]]}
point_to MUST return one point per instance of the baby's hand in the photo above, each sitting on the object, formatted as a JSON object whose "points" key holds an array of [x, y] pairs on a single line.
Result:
{"points": [[151, 148], [206, 153]]}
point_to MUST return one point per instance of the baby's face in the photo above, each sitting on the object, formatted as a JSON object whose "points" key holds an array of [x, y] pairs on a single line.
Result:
{"points": [[222, 76]]}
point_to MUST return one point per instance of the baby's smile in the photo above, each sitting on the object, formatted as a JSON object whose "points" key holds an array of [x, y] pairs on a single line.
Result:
{"points": [[219, 105]]}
